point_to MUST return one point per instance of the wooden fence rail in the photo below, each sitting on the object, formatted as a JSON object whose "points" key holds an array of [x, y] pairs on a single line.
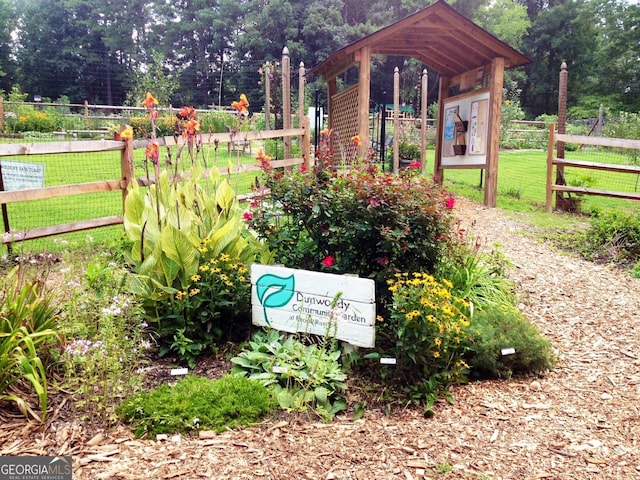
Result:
{"points": [[560, 163], [125, 149]]}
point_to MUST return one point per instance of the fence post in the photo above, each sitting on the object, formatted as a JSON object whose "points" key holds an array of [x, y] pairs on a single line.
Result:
{"points": [[562, 127], [126, 167], [301, 82], [286, 99], [305, 143], [423, 121], [550, 147], [396, 119], [267, 96], [86, 114], [2, 115]]}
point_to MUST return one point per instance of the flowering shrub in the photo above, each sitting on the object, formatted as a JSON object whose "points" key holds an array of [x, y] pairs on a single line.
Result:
{"points": [[430, 327], [215, 306], [367, 222]]}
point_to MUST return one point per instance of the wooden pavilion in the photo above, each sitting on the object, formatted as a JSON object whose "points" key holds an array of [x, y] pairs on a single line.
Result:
{"points": [[471, 63]]}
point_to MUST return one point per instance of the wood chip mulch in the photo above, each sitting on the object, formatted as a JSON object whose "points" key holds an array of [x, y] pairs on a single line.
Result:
{"points": [[580, 421]]}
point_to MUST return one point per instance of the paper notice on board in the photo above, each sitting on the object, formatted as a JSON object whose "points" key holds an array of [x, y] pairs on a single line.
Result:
{"points": [[478, 127]]}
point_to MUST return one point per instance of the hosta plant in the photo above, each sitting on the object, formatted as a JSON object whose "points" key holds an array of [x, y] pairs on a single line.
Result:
{"points": [[301, 376]]}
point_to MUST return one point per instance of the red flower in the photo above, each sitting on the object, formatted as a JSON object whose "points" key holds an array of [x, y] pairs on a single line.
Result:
{"points": [[414, 165], [328, 261], [451, 202], [303, 168], [247, 216]]}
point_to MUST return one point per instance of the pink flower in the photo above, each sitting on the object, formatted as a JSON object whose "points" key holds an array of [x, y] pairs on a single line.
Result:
{"points": [[414, 165], [328, 261], [247, 216], [450, 202], [303, 168]]}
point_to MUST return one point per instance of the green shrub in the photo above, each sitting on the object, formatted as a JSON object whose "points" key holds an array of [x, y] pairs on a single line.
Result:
{"points": [[613, 236], [361, 221], [28, 328], [197, 403], [477, 275], [499, 327], [165, 126], [300, 375], [37, 121]]}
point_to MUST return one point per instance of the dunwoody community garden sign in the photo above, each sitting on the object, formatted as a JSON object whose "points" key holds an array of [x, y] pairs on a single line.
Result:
{"points": [[314, 302]]}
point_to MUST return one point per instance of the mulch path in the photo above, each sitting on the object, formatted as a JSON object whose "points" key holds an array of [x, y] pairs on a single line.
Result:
{"points": [[580, 421]]}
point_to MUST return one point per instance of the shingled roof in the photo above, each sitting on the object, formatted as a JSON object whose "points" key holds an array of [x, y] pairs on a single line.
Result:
{"points": [[437, 36]]}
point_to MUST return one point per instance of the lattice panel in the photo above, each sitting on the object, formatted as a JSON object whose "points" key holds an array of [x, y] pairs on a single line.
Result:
{"points": [[344, 113]]}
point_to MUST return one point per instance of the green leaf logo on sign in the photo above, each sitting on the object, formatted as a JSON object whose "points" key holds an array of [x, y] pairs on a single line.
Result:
{"points": [[274, 291]]}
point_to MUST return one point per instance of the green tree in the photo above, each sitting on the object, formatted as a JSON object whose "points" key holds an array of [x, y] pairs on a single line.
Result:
{"points": [[563, 32], [7, 65]]}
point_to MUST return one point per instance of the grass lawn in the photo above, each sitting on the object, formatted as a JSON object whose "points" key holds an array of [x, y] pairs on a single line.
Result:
{"points": [[521, 187]]}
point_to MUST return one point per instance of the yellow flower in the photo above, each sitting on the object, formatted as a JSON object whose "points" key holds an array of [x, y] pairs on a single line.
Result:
{"points": [[204, 268], [379, 318], [195, 278], [194, 291], [436, 354], [127, 133], [438, 342], [241, 278], [224, 257], [181, 294]]}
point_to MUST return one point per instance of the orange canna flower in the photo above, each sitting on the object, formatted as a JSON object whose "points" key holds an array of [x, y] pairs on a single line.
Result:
{"points": [[241, 106], [152, 152], [356, 140], [188, 112], [150, 101], [191, 127]]}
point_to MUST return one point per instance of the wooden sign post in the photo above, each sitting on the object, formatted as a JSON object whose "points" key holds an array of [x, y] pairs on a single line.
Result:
{"points": [[314, 302]]}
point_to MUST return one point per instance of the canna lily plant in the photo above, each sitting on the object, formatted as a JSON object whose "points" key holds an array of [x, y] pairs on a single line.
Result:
{"points": [[170, 221]]}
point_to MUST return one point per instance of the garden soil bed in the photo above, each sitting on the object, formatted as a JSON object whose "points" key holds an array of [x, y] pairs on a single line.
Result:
{"points": [[580, 421]]}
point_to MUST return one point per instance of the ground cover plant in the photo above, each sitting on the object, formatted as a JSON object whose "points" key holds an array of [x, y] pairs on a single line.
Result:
{"points": [[197, 403]]}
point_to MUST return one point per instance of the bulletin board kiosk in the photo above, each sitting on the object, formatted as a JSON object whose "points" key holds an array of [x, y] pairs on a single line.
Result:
{"points": [[470, 63]]}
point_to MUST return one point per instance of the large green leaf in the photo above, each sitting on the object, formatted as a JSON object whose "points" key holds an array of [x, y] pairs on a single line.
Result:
{"points": [[176, 245]]}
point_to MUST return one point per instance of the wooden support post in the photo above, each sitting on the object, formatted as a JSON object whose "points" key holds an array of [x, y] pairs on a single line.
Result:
{"points": [[443, 93], [493, 142], [396, 120], [423, 120], [364, 86], [305, 143], [286, 99]]}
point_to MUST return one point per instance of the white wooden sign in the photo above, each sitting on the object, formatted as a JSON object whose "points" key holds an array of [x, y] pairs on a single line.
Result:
{"points": [[303, 301], [22, 175]]}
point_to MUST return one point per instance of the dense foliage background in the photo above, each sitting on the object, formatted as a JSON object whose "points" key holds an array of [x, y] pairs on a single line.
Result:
{"points": [[203, 52]]}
